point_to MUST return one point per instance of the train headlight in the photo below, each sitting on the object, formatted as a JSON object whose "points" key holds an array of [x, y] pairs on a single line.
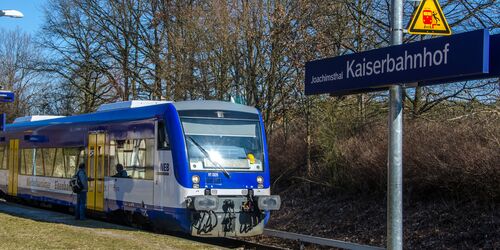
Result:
{"points": [[260, 181], [205, 203], [196, 181], [271, 202]]}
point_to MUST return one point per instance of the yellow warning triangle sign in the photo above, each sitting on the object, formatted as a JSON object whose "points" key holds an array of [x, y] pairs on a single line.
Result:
{"points": [[429, 19]]}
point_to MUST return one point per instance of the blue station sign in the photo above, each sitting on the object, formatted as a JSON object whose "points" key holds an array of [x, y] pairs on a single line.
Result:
{"points": [[494, 66], [6, 96], [457, 56]]}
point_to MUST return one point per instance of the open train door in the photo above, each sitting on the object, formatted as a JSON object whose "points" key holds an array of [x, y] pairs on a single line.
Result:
{"points": [[95, 170], [13, 166]]}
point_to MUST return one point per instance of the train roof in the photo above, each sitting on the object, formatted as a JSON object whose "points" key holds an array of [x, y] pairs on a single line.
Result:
{"points": [[213, 105], [127, 111]]}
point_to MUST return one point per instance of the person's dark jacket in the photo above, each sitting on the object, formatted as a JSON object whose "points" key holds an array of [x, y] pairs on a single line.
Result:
{"points": [[83, 178], [121, 174]]}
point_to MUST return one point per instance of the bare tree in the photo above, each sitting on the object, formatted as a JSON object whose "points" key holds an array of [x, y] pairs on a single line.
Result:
{"points": [[18, 57], [158, 49], [75, 55]]}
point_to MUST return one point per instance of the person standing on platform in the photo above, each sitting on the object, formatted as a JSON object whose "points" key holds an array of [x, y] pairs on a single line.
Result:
{"points": [[81, 202]]}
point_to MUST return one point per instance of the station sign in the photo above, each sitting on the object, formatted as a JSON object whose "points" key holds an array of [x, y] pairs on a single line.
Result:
{"points": [[461, 55], [6, 96], [429, 19], [494, 66]]}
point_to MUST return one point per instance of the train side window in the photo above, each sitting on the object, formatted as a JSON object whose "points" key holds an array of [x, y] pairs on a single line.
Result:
{"points": [[3, 157], [136, 156], [27, 161], [48, 159], [72, 158], [39, 168], [50, 162], [163, 143], [59, 167]]}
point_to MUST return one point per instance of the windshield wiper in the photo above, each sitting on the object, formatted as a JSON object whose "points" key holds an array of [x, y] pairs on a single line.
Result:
{"points": [[207, 156]]}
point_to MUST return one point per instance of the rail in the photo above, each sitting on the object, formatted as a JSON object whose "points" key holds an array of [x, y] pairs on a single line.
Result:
{"points": [[318, 240]]}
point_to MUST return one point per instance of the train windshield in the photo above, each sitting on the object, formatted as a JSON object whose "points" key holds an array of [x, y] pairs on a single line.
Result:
{"points": [[223, 144]]}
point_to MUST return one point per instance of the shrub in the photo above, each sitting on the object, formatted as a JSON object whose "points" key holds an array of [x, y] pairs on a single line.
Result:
{"points": [[457, 158]]}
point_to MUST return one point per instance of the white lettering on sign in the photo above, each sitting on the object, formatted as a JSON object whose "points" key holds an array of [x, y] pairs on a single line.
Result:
{"points": [[328, 78], [389, 64]]}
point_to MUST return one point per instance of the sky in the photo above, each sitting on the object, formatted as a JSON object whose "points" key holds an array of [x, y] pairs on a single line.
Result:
{"points": [[33, 15]]}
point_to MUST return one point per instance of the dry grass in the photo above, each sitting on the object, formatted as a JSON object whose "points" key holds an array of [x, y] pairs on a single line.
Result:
{"points": [[458, 159], [22, 233], [442, 159]]}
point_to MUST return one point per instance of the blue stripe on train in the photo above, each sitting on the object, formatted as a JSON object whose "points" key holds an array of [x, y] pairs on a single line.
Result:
{"points": [[174, 219], [46, 196], [45, 199]]}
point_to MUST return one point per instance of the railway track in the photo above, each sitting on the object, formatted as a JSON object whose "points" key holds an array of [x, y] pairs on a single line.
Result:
{"points": [[301, 239], [238, 244]]}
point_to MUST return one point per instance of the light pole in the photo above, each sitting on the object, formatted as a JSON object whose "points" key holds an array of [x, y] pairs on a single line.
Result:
{"points": [[11, 13]]}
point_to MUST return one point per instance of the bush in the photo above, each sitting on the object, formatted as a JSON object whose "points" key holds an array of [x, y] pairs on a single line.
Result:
{"points": [[287, 156], [449, 158]]}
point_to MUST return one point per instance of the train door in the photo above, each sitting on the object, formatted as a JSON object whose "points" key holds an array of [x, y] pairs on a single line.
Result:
{"points": [[95, 171], [13, 166], [164, 184]]}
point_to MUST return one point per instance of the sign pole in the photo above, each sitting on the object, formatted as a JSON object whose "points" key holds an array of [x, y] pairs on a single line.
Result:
{"points": [[395, 154]]}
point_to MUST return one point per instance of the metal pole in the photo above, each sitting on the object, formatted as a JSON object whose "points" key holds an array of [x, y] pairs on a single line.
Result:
{"points": [[395, 154]]}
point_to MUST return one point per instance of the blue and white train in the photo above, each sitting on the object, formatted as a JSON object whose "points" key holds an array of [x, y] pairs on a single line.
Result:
{"points": [[199, 167]]}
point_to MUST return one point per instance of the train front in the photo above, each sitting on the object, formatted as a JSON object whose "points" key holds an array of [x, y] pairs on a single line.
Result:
{"points": [[222, 164]]}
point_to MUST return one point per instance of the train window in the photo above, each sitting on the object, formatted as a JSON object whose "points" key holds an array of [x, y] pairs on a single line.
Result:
{"points": [[59, 167], [51, 162], [27, 161], [39, 168], [3, 156], [72, 158], [136, 156], [48, 160], [235, 145], [162, 136]]}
